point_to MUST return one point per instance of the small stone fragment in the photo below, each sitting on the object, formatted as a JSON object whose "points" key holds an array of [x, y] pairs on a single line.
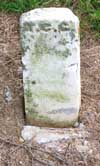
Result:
{"points": [[21, 140], [7, 94], [76, 124]]}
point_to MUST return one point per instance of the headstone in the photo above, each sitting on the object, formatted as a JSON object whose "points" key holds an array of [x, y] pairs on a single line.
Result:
{"points": [[51, 66]]}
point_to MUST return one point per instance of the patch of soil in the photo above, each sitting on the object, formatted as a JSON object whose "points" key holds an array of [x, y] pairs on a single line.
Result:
{"points": [[12, 151]]}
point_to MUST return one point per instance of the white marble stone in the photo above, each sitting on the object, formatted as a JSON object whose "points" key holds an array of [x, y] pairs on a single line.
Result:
{"points": [[51, 66], [44, 134]]}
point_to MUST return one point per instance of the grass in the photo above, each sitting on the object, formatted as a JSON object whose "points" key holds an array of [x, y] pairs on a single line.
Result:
{"points": [[89, 13], [87, 10]]}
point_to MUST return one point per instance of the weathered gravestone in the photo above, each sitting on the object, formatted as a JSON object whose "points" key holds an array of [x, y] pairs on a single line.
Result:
{"points": [[51, 66]]}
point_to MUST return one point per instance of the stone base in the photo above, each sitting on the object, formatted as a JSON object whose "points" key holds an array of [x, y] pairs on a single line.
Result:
{"points": [[56, 138], [45, 134]]}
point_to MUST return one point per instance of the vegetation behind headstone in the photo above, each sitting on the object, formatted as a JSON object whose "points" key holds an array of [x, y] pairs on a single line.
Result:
{"points": [[87, 10]]}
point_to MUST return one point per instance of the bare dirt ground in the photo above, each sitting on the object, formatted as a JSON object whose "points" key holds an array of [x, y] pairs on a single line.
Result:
{"points": [[15, 153]]}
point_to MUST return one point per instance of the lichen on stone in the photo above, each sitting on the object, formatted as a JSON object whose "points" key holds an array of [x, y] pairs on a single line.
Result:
{"points": [[27, 27], [44, 25], [63, 26]]}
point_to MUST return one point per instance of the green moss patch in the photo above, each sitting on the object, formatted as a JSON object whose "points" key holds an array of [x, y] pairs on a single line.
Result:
{"points": [[54, 95]]}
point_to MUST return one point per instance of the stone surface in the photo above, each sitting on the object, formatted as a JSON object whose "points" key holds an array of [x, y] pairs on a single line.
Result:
{"points": [[51, 66], [57, 139], [45, 135], [7, 94]]}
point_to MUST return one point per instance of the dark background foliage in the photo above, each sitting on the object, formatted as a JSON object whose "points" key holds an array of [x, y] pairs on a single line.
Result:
{"points": [[87, 10]]}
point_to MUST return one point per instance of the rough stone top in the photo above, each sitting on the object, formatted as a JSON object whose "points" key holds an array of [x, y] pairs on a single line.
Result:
{"points": [[50, 14]]}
